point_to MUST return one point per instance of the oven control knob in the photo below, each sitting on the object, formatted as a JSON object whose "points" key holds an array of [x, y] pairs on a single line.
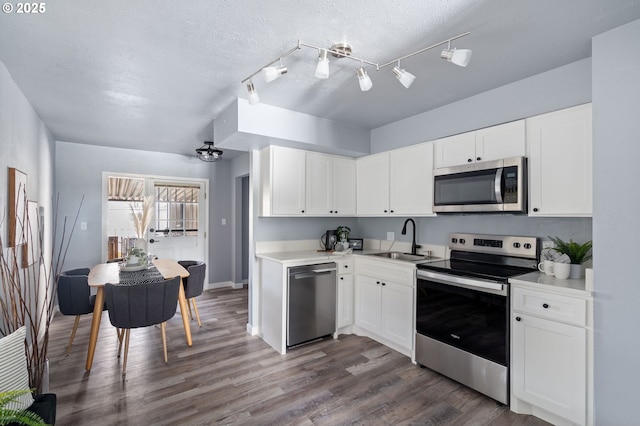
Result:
{"points": [[527, 246], [454, 240], [462, 241], [516, 245]]}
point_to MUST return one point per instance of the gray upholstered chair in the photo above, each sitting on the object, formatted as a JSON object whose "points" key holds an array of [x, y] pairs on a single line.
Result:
{"points": [[74, 297], [194, 284], [142, 305]]}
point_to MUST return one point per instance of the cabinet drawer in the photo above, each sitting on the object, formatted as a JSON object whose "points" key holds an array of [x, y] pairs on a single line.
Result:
{"points": [[386, 271], [567, 309], [345, 266]]}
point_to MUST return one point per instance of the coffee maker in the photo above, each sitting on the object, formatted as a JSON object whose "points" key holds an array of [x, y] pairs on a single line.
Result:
{"points": [[329, 239]]}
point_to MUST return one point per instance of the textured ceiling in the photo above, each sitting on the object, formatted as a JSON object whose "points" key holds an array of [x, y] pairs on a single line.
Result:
{"points": [[154, 74]]}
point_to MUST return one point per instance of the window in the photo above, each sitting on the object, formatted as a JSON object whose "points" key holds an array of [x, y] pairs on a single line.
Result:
{"points": [[176, 210]]}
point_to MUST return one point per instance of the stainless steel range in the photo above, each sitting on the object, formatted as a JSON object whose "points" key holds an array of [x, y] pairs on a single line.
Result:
{"points": [[462, 312]]}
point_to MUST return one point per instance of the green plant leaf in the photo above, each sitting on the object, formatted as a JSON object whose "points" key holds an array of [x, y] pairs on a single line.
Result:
{"points": [[578, 253]]}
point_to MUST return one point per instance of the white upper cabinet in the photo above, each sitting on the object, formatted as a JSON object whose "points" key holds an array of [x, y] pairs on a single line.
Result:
{"points": [[398, 182], [373, 184], [411, 180], [331, 185], [493, 143], [559, 147], [344, 186], [283, 181]]}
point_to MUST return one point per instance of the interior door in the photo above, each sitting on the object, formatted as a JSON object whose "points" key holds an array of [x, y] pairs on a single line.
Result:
{"points": [[178, 222], [178, 226]]}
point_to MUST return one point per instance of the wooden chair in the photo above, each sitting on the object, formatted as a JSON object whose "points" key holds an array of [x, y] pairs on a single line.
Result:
{"points": [[142, 305], [194, 284]]}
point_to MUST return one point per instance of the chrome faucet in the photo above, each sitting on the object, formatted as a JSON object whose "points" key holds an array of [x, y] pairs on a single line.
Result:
{"points": [[414, 246]]}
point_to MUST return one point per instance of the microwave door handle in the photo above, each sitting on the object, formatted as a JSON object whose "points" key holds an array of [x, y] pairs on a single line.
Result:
{"points": [[498, 185]]}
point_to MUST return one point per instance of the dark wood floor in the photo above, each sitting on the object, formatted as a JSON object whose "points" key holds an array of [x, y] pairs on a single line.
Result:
{"points": [[230, 377]]}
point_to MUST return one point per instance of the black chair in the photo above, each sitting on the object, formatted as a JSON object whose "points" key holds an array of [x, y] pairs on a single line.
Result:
{"points": [[74, 297], [194, 284], [142, 305]]}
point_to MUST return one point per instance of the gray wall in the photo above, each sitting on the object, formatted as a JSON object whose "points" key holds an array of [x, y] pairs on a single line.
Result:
{"points": [[616, 93], [78, 173]]}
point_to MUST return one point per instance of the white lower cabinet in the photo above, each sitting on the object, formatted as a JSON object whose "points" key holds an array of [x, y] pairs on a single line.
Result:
{"points": [[384, 307], [344, 307], [549, 356]]}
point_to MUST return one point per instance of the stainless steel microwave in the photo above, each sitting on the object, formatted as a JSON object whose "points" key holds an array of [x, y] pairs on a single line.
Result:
{"points": [[487, 187]]}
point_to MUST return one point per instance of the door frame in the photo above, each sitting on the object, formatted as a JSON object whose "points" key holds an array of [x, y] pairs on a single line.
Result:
{"points": [[104, 237]]}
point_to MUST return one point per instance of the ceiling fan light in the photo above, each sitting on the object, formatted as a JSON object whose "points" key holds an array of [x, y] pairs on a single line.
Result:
{"points": [[253, 95], [322, 69], [460, 57], [209, 153], [364, 80], [405, 78], [271, 73]]}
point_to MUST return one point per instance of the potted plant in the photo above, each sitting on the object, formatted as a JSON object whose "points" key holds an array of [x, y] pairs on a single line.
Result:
{"points": [[578, 254], [12, 416], [343, 233]]}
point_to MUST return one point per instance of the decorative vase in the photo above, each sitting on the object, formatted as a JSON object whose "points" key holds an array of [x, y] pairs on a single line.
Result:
{"points": [[39, 377], [577, 271]]}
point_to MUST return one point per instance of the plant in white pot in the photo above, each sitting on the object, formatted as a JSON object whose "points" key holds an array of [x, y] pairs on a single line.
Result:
{"points": [[578, 253]]}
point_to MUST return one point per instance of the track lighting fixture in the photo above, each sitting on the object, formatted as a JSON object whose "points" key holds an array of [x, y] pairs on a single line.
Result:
{"points": [[460, 57], [405, 78], [253, 95], [208, 153], [365, 81], [322, 69]]}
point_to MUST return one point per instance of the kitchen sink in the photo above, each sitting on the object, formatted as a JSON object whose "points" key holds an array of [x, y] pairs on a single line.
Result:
{"points": [[408, 257]]}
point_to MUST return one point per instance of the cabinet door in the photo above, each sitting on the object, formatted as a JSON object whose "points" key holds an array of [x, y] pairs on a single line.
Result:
{"points": [[373, 184], [411, 180], [344, 186], [319, 184], [455, 150], [549, 366], [559, 148], [503, 141], [287, 181], [368, 303], [397, 313], [345, 300]]}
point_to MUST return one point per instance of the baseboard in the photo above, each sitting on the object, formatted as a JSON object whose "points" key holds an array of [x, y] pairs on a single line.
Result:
{"points": [[253, 331], [223, 284]]}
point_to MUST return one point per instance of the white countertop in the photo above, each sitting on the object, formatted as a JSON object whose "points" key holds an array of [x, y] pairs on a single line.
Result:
{"points": [[549, 282]]}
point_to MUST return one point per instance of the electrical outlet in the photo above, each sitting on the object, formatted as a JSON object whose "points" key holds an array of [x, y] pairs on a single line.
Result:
{"points": [[547, 244], [83, 226], [391, 236]]}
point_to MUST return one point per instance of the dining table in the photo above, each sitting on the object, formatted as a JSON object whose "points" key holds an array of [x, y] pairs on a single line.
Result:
{"points": [[104, 273]]}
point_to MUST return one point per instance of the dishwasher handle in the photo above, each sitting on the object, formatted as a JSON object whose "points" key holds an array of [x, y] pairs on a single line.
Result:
{"points": [[311, 274]]}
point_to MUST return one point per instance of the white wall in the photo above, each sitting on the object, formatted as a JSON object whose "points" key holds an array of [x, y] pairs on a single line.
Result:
{"points": [[616, 203], [27, 145], [78, 173]]}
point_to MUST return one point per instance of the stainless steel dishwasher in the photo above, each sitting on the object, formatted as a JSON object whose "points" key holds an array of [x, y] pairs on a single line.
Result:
{"points": [[311, 311]]}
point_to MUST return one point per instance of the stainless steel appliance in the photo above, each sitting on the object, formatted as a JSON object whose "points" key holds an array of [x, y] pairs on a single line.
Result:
{"points": [[490, 187], [462, 311], [311, 311]]}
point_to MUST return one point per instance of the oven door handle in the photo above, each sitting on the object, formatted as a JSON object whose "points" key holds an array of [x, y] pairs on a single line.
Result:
{"points": [[473, 283]]}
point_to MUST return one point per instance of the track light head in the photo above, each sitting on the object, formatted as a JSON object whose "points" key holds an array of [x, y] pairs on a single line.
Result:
{"points": [[405, 78], [460, 57], [322, 69], [271, 73], [364, 80], [253, 95]]}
